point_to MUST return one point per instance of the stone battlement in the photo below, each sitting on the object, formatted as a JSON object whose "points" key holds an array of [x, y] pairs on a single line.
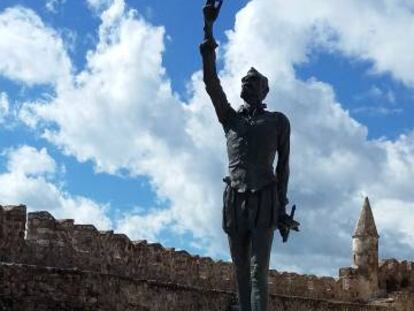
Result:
{"points": [[64, 244], [39, 240]]}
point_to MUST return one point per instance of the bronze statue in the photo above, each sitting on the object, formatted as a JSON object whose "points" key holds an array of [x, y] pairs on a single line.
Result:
{"points": [[254, 200]]}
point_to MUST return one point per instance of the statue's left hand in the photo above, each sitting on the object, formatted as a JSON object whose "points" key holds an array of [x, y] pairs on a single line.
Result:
{"points": [[287, 223]]}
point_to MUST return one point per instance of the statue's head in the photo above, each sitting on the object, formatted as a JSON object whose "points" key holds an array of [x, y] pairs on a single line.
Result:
{"points": [[255, 87]]}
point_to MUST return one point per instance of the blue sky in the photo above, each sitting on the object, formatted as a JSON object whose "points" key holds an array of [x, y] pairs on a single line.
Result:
{"points": [[183, 24], [103, 117]]}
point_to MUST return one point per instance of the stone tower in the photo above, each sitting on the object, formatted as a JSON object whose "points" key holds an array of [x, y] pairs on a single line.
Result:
{"points": [[365, 251]]}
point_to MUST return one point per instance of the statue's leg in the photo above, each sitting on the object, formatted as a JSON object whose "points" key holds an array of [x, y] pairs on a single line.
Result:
{"points": [[240, 248], [262, 239]]}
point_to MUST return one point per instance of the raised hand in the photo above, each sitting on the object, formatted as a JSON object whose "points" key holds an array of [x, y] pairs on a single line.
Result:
{"points": [[211, 11]]}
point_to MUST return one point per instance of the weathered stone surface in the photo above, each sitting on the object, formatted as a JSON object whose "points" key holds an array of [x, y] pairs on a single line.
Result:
{"points": [[26, 287], [366, 223], [59, 265]]}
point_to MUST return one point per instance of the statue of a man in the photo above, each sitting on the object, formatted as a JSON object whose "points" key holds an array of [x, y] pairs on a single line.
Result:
{"points": [[255, 195]]}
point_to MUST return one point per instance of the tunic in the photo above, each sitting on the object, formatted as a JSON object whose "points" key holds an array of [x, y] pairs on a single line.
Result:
{"points": [[254, 189]]}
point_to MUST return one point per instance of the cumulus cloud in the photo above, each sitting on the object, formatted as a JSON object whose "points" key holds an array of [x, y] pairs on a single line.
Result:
{"points": [[27, 181], [333, 162], [144, 225], [30, 51], [30, 161], [121, 113]]}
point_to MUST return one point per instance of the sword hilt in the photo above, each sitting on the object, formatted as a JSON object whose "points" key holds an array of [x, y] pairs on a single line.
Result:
{"points": [[292, 213], [287, 224], [215, 3]]}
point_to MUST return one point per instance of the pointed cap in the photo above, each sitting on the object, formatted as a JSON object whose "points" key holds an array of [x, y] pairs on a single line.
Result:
{"points": [[366, 223]]}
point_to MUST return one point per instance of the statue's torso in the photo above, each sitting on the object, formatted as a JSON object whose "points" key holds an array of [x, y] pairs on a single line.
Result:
{"points": [[252, 142]]}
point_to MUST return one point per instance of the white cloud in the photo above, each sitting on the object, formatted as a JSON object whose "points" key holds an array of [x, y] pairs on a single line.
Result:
{"points": [[26, 181], [369, 30], [29, 161], [99, 5], [122, 114], [30, 51], [144, 226], [4, 106], [376, 93], [333, 162], [52, 5], [377, 110], [380, 102]]}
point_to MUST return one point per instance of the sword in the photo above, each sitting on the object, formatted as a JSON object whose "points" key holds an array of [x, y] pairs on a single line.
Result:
{"points": [[287, 223]]}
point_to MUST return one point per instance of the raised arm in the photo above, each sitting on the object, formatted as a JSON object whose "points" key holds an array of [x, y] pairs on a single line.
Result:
{"points": [[207, 49]]}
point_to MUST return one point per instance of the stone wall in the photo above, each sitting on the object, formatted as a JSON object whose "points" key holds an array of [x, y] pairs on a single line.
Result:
{"points": [[34, 288], [395, 275], [39, 240], [64, 244], [61, 243]]}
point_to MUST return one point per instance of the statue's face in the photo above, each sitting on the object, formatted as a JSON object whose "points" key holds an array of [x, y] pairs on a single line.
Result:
{"points": [[251, 91]]}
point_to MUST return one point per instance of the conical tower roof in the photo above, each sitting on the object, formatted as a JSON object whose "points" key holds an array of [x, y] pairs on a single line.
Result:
{"points": [[366, 223]]}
